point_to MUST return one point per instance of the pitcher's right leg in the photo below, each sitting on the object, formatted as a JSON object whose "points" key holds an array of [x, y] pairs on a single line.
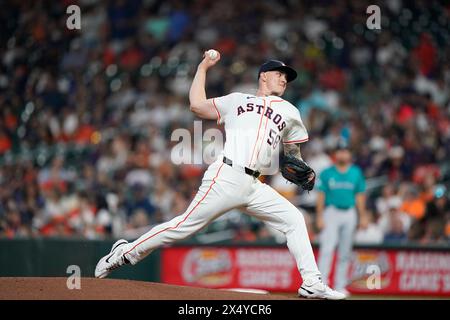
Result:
{"points": [[209, 203]]}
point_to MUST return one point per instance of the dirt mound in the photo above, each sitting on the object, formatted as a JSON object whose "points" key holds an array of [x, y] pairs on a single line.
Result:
{"points": [[25, 288]]}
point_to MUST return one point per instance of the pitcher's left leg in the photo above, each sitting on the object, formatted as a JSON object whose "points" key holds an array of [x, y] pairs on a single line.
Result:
{"points": [[268, 205]]}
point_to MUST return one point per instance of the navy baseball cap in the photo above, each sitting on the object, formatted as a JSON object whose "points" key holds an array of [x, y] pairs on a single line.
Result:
{"points": [[272, 65]]}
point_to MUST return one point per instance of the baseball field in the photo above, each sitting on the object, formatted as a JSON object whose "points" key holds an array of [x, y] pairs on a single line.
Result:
{"points": [[54, 288]]}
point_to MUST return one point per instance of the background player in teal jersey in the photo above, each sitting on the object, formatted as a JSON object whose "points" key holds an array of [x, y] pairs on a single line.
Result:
{"points": [[341, 196]]}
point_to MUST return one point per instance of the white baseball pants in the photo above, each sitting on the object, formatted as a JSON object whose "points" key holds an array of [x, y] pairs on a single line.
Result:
{"points": [[224, 188], [339, 227]]}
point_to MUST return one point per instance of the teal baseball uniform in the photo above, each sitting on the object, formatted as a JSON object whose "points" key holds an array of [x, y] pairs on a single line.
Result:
{"points": [[340, 188]]}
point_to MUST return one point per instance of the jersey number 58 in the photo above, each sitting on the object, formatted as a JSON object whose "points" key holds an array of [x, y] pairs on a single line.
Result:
{"points": [[273, 139]]}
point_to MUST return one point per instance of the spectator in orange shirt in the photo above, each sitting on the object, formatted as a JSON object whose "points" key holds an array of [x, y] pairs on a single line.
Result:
{"points": [[413, 205]]}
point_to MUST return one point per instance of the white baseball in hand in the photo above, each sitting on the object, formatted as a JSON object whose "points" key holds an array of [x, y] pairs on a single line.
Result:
{"points": [[212, 54]]}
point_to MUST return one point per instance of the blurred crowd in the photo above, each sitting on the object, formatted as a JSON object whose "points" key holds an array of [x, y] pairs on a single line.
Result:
{"points": [[86, 116]]}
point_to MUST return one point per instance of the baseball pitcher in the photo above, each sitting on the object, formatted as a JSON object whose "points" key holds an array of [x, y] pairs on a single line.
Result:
{"points": [[255, 124]]}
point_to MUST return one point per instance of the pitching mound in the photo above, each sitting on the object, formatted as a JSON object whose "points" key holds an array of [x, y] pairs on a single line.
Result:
{"points": [[25, 288]]}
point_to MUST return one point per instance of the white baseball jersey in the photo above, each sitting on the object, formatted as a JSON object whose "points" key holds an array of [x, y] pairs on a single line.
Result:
{"points": [[255, 126]]}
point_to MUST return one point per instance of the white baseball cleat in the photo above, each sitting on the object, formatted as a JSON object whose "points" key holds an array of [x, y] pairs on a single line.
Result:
{"points": [[345, 292], [319, 290], [112, 260]]}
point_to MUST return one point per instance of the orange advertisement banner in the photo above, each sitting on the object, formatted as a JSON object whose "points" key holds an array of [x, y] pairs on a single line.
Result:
{"points": [[371, 271]]}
